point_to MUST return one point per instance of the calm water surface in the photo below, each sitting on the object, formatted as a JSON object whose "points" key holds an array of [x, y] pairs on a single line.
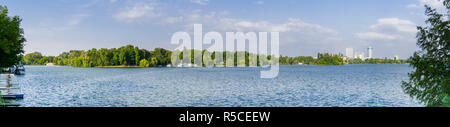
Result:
{"points": [[349, 85]]}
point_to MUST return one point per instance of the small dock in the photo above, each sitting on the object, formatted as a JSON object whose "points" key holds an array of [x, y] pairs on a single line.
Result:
{"points": [[13, 93], [9, 89]]}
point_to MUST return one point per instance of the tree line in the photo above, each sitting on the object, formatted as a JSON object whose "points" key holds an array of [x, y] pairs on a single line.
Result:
{"points": [[132, 56], [376, 61], [321, 59], [335, 59], [124, 56]]}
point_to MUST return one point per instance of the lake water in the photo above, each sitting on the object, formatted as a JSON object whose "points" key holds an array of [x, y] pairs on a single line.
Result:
{"points": [[296, 86]]}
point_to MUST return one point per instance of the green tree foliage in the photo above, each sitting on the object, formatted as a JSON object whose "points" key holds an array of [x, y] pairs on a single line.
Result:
{"points": [[162, 56], [208, 59], [11, 39], [154, 62], [32, 58], [322, 59], [144, 63], [131, 56], [124, 56], [334, 59], [43, 61], [376, 61], [430, 81], [446, 101], [328, 59]]}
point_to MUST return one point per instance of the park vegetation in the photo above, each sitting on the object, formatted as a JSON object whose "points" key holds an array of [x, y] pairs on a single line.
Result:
{"points": [[125, 56], [132, 56], [430, 80], [376, 61], [322, 59], [12, 39], [335, 59]]}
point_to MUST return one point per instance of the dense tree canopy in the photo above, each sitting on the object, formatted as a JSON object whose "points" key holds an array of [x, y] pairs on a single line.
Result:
{"points": [[376, 61], [430, 81], [144, 63], [32, 58], [133, 56], [11, 39], [126, 56], [334, 59]]}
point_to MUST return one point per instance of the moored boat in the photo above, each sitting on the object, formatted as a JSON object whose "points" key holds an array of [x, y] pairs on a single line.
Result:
{"points": [[20, 70]]}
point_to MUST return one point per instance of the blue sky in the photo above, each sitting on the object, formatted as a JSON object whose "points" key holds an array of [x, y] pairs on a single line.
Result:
{"points": [[306, 26]]}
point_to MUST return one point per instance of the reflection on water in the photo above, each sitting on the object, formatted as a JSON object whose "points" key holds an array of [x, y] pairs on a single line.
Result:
{"points": [[349, 85]]}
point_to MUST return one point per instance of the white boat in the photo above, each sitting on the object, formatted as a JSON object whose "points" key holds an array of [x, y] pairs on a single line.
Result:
{"points": [[20, 70]]}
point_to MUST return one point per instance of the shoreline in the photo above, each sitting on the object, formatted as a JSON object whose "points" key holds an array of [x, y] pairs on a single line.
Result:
{"points": [[119, 66], [127, 66]]}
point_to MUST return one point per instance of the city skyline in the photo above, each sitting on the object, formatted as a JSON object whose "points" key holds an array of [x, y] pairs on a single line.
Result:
{"points": [[368, 54], [306, 27]]}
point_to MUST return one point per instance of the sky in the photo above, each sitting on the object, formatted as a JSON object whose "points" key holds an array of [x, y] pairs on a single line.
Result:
{"points": [[306, 26]]}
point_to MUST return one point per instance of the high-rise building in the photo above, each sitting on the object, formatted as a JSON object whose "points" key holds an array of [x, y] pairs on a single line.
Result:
{"points": [[349, 52], [369, 52]]}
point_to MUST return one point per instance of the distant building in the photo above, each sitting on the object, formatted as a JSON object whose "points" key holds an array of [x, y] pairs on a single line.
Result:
{"points": [[369, 52], [50, 64], [345, 58], [395, 57], [349, 52], [360, 55]]}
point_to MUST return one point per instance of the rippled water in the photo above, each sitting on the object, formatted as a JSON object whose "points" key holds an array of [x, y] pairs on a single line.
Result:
{"points": [[349, 85]]}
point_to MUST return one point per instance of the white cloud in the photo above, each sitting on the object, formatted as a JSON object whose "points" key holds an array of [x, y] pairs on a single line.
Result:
{"points": [[388, 30], [90, 3], [393, 25], [259, 2], [390, 34], [77, 19], [172, 20], [432, 3], [374, 36], [201, 2], [292, 25], [295, 34], [293, 31], [218, 22], [137, 12], [437, 4], [412, 6]]}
